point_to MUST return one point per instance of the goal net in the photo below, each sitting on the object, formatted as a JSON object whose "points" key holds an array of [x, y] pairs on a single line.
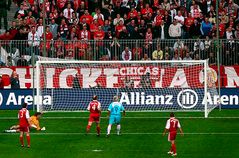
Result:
{"points": [[140, 85]]}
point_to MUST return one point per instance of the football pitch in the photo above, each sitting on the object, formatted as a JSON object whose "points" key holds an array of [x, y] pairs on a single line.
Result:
{"points": [[214, 137]]}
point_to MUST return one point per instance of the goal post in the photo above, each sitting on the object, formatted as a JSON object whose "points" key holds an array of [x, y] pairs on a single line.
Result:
{"points": [[168, 85]]}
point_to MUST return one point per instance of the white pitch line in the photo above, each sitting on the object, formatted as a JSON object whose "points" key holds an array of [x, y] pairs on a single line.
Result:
{"points": [[73, 117], [97, 150], [212, 133]]}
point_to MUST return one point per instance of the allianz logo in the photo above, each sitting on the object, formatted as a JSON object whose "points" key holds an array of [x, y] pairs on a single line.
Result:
{"points": [[186, 99]]}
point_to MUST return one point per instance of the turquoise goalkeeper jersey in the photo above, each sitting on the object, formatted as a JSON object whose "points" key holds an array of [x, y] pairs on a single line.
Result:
{"points": [[116, 108]]}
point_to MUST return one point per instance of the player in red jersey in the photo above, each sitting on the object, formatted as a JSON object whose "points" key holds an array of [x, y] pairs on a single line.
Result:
{"points": [[95, 110], [172, 126], [23, 116]]}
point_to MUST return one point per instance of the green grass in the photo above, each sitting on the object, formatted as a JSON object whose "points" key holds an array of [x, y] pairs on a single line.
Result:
{"points": [[141, 137]]}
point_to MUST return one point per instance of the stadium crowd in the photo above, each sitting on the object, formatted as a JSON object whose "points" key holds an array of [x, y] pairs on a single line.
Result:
{"points": [[108, 30]]}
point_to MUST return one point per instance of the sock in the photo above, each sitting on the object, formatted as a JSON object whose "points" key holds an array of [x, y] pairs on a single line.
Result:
{"points": [[174, 148], [28, 140], [98, 129], [118, 129], [108, 129], [11, 131], [21, 140], [88, 128]]}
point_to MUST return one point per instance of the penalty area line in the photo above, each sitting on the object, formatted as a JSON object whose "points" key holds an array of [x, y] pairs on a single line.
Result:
{"points": [[203, 133]]}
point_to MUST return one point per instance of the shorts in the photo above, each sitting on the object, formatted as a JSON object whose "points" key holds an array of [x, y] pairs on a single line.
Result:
{"points": [[172, 135], [24, 129], [114, 119], [93, 118]]}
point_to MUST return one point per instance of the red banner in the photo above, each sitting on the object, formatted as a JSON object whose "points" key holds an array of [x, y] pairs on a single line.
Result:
{"points": [[119, 77]]}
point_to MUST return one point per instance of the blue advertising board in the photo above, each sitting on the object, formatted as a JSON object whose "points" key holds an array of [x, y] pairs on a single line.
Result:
{"points": [[13, 99], [132, 99]]}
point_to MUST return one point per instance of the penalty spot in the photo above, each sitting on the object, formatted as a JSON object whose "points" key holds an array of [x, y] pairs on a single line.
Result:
{"points": [[97, 150]]}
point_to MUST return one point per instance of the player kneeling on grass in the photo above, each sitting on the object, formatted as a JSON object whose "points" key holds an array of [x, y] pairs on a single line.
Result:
{"points": [[95, 110], [172, 126], [33, 121], [114, 114]]}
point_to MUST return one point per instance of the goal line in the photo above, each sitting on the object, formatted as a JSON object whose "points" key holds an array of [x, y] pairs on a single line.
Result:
{"points": [[82, 117]]}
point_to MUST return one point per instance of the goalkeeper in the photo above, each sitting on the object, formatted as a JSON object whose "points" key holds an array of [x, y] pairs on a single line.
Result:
{"points": [[34, 124]]}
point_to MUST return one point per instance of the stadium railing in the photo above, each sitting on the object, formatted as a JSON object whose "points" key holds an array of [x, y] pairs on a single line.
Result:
{"points": [[112, 50]]}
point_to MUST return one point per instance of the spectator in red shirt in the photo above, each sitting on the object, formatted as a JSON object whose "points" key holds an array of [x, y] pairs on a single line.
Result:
{"points": [[158, 19], [49, 35], [28, 17], [100, 20], [145, 11], [87, 16], [222, 29], [49, 38], [61, 4], [119, 28], [77, 4], [47, 6], [94, 27], [133, 13], [221, 8], [6, 37], [231, 22], [99, 34], [189, 21], [156, 4], [129, 19]]}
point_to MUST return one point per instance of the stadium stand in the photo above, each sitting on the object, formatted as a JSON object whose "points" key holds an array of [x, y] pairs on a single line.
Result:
{"points": [[102, 29]]}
